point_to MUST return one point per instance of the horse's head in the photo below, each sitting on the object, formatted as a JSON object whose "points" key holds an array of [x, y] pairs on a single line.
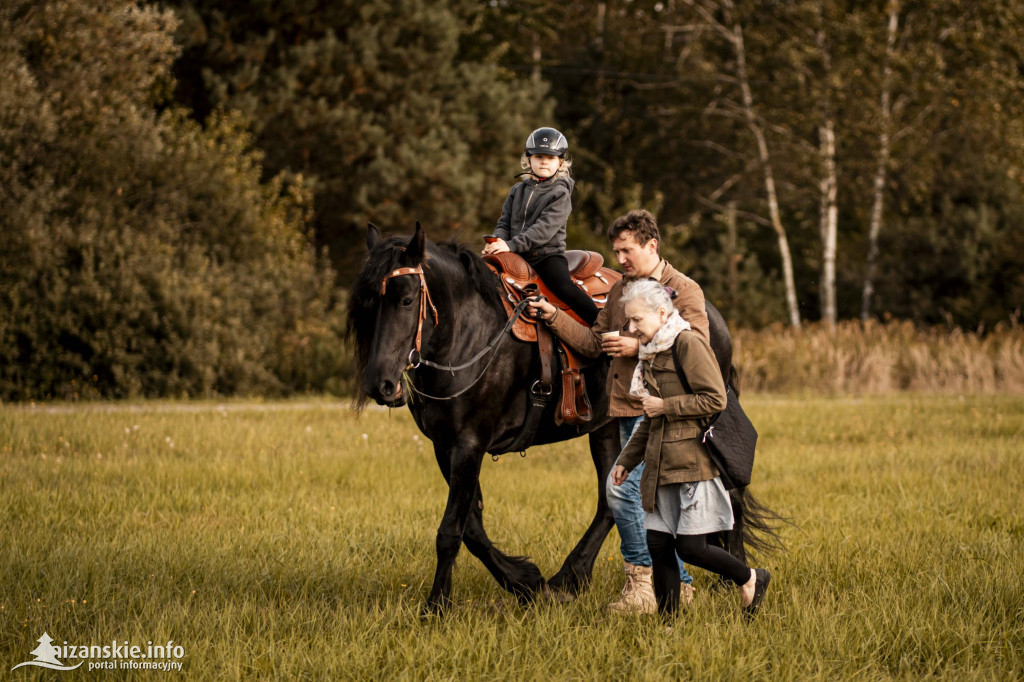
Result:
{"points": [[390, 312]]}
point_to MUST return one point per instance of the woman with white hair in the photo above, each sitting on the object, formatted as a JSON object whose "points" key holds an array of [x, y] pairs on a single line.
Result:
{"points": [[681, 489]]}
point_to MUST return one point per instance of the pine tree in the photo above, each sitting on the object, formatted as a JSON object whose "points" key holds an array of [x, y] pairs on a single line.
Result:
{"points": [[141, 253], [374, 100]]}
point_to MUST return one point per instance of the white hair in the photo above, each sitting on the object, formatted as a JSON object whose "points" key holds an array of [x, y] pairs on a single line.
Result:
{"points": [[649, 293]]}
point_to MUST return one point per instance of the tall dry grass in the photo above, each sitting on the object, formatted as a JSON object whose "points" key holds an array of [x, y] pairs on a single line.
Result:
{"points": [[296, 542], [876, 358]]}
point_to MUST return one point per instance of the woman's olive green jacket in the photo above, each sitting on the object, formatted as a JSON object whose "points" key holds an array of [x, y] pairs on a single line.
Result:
{"points": [[670, 444]]}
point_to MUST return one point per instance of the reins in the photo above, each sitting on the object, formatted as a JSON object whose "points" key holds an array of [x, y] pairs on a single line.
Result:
{"points": [[425, 299]]}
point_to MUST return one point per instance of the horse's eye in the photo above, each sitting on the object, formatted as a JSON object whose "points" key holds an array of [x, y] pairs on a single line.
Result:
{"points": [[406, 302]]}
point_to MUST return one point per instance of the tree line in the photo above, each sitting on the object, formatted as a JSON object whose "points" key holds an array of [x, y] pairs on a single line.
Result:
{"points": [[810, 160], [184, 185]]}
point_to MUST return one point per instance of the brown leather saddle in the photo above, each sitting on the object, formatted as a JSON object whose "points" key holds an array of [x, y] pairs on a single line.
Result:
{"points": [[520, 281]]}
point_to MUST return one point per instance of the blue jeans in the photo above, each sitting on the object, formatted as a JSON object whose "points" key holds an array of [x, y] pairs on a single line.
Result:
{"points": [[628, 511]]}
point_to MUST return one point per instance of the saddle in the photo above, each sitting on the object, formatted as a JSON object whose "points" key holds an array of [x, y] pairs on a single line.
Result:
{"points": [[520, 281]]}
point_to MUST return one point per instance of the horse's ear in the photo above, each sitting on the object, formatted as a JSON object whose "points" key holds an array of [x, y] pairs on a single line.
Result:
{"points": [[417, 247], [372, 236]]}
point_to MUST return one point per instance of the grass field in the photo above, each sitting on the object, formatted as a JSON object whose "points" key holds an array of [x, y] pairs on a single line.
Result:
{"points": [[296, 542]]}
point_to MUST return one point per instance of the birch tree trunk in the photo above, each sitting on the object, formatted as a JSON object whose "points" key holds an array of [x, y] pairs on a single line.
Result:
{"points": [[829, 222], [881, 170], [829, 186], [757, 130]]}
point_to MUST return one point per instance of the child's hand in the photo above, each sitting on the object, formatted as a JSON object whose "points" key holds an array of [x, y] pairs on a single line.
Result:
{"points": [[619, 475], [494, 247]]}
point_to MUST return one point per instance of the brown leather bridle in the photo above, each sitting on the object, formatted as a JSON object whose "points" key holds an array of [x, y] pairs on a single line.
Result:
{"points": [[424, 301]]}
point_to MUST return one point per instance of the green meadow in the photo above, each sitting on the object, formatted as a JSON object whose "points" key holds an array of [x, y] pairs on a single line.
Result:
{"points": [[296, 541]]}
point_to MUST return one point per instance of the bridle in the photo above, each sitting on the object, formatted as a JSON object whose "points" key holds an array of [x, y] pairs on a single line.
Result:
{"points": [[424, 301]]}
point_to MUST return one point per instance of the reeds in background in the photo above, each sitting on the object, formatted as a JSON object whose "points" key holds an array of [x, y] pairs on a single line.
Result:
{"points": [[874, 358]]}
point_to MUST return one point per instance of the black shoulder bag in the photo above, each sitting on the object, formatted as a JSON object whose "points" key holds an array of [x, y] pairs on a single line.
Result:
{"points": [[729, 437]]}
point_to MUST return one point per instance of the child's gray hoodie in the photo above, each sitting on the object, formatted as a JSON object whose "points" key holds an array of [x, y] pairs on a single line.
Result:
{"points": [[533, 218]]}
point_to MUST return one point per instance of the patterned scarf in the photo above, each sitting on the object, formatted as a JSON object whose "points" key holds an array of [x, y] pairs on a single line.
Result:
{"points": [[663, 339]]}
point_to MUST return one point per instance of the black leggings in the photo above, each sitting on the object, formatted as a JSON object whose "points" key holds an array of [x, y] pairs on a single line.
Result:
{"points": [[554, 271], [692, 549]]}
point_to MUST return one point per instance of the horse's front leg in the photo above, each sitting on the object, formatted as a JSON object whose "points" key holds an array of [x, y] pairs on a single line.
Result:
{"points": [[574, 575], [517, 574], [461, 467]]}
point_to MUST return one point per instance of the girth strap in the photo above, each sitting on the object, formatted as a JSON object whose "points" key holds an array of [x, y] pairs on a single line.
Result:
{"points": [[538, 398], [546, 348]]}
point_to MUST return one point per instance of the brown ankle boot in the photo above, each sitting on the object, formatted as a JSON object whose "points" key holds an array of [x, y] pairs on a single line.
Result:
{"points": [[638, 594]]}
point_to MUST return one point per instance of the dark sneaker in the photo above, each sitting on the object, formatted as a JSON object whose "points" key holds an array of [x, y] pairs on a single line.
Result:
{"points": [[763, 577]]}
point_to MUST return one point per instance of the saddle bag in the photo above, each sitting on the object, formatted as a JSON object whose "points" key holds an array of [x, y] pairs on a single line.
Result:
{"points": [[575, 404]]}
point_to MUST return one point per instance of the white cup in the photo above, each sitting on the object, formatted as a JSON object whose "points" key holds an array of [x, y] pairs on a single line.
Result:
{"points": [[609, 335]]}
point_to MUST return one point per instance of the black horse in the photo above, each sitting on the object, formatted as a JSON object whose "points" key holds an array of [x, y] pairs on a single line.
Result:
{"points": [[414, 299]]}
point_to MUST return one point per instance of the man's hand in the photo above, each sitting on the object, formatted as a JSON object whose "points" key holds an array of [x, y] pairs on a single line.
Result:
{"points": [[498, 246], [620, 346], [540, 309], [619, 475], [654, 407]]}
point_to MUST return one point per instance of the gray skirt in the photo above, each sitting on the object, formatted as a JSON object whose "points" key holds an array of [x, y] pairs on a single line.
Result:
{"points": [[691, 508]]}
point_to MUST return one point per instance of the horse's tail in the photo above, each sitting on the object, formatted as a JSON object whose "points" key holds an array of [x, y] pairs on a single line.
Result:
{"points": [[761, 524]]}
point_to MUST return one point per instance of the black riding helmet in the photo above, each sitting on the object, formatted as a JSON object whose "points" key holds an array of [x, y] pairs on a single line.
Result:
{"points": [[546, 141]]}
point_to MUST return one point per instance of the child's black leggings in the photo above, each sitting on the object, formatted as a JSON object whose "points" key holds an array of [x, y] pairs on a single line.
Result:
{"points": [[692, 549], [554, 271]]}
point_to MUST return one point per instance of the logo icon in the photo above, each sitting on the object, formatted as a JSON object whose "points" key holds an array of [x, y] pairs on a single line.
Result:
{"points": [[46, 656]]}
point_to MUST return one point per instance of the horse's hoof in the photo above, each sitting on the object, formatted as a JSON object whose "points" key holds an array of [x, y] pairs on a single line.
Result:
{"points": [[527, 599], [569, 585], [559, 596], [434, 609]]}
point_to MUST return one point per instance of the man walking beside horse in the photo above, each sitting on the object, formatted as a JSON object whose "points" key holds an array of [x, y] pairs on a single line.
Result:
{"points": [[636, 240]]}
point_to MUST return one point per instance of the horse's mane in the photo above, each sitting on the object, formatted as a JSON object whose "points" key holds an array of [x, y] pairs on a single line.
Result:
{"points": [[449, 260], [481, 278]]}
